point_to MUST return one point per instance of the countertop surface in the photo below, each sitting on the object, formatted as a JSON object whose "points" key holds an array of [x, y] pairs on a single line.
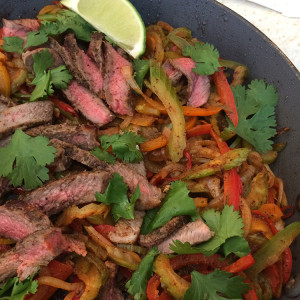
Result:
{"points": [[284, 31]]}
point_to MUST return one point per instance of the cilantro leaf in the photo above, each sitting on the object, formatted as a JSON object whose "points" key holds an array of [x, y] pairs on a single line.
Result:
{"points": [[216, 285], [25, 158], [52, 28], [60, 77], [137, 284], [141, 68], [42, 61], [103, 155], [227, 225], [173, 206], [13, 289], [116, 195], [205, 56], [36, 38], [42, 88], [149, 217], [124, 145], [256, 110], [13, 44]]}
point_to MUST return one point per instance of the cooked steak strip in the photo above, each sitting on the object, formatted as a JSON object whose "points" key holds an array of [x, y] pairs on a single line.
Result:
{"points": [[110, 291], [91, 106], [159, 234], [127, 231], [198, 85], [73, 189], [5, 186], [27, 58], [19, 219], [36, 250], [83, 136], [173, 74], [95, 50], [83, 62], [20, 27], [25, 116], [61, 161], [5, 103], [150, 196], [116, 88], [194, 233]]}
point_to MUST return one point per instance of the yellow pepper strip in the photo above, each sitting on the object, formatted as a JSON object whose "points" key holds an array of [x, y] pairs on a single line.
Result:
{"points": [[4, 81], [272, 211], [4, 241], [174, 284], [73, 212], [3, 57], [259, 225], [59, 284], [122, 257], [200, 202]]}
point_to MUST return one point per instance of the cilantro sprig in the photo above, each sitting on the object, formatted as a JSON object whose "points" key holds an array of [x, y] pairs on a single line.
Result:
{"points": [[176, 203], [124, 146], [217, 285], [228, 237], [140, 68], [137, 284], [13, 289], [45, 79], [256, 111], [24, 160], [205, 56], [116, 196]]}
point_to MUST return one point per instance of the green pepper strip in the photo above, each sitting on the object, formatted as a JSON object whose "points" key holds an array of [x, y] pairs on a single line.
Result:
{"points": [[272, 249]]}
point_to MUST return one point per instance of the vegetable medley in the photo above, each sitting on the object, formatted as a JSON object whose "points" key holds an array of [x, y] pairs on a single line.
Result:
{"points": [[191, 209]]}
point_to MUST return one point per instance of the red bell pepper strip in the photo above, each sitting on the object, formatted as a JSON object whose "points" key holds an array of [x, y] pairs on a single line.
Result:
{"points": [[266, 219], [153, 292], [64, 106], [104, 229], [287, 263], [272, 275], [241, 264], [226, 95], [187, 154], [198, 130], [251, 294]]}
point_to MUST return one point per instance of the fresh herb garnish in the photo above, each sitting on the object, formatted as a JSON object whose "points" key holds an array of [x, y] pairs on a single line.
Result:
{"points": [[103, 155], [124, 146], [116, 196], [25, 158], [13, 44], [228, 235], [217, 285], [137, 285], [205, 56], [45, 79], [141, 68], [256, 111], [13, 289], [176, 203]]}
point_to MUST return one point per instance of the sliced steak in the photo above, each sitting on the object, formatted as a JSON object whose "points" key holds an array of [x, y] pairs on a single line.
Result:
{"points": [[83, 62], [27, 58], [198, 85], [5, 186], [73, 189], [19, 219], [150, 196], [83, 136], [110, 291], [5, 103], [127, 231], [194, 233], [20, 27], [61, 161], [159, 234], [91, 106], [95, 50], [25, 116], [138, 167], [116, 88], [36, 250], [173, 74]]}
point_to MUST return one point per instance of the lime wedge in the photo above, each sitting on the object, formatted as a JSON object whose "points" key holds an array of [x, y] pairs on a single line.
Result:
{"points": [[118, 19]]}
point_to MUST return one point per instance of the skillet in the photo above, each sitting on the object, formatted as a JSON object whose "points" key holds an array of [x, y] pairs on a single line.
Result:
{"points": [[238, 40]]}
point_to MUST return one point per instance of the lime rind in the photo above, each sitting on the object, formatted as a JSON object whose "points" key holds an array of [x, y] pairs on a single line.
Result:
{"points": [[128, 32]]}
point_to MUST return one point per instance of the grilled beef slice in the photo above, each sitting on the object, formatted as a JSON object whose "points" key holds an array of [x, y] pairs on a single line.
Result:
{"points": [[159, 234], [20, 27], [198, 85], [5, 103], [83, 62], [91, 106], [27, 58], [95, 50], [5, 186], [19, 219], [116, 88], [150, 196], [83, 136], [70, 190], [194, 233], [36, 250], [127, 231], [25, 116]]}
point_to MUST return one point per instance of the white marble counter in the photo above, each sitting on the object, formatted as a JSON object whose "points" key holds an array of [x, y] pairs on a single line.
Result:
{"points": [[283, 31]]}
